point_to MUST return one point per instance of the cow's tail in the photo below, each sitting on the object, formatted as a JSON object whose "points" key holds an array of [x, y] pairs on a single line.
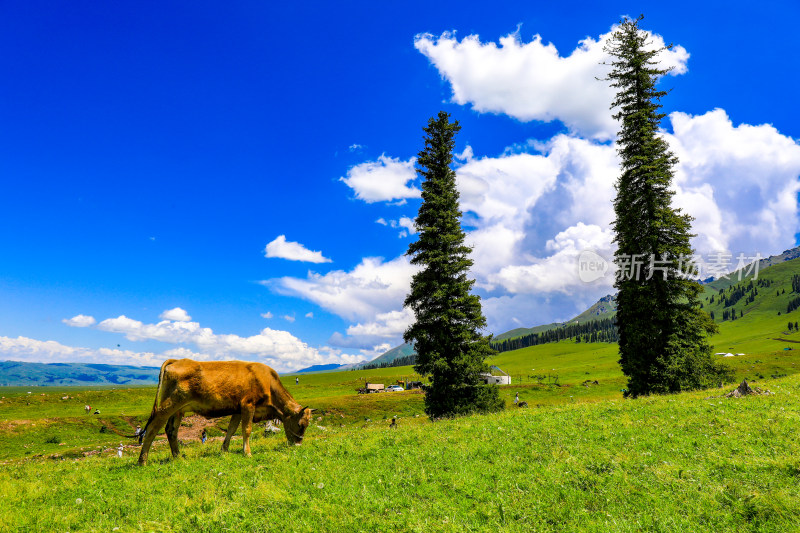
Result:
{"points": [[158, 396]]}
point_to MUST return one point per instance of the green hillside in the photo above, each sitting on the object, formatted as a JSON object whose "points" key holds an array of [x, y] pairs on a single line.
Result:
{"points": [[687, 462], [768, 293], [760, 329], [606, 307], [579, 458], [760, 309]]}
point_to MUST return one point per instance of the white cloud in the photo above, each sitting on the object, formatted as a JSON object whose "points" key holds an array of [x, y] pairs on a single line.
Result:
{"points": [[529, 215], [531, 210], [186, 353], [408, 224], [388, 325], [35, 351], [497, 195], [80, 321], [288, 318], [404, 224], [383, 180], [532, 81], [377, 334], [279, 349], [368, 347], [293, 251], [309, 315], [267, 315], [559, 271], [381, 349], [177, 314], [372, 287], [739, 182]]}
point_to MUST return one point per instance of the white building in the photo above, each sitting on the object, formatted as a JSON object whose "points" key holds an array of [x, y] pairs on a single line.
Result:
{"points": [[494, 379]]}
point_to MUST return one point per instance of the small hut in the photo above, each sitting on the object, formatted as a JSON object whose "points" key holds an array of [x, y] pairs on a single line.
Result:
{"points": [[496, 376]]}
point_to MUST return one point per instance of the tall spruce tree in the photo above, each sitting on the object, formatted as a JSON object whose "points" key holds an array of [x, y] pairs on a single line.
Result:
{"points": [[447, 332], [663, 332]]}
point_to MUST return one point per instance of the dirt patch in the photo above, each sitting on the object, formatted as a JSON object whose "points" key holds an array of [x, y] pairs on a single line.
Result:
{"points": [[192, 427], [11, 424], [131, 420]]}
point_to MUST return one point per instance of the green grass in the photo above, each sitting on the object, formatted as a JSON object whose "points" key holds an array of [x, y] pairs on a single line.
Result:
{"points": [[48, 417], [580, 458], [673, 463]]}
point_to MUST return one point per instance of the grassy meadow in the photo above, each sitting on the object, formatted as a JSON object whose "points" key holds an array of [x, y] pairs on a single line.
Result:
{"points": [[579, 458], [674, 463]]}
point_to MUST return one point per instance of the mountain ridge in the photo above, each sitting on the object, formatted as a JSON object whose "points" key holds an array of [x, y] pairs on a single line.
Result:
{"points": [[25, 374]]}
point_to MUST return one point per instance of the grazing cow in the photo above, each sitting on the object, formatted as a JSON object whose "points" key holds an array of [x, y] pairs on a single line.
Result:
{"points": [[249, 392]]}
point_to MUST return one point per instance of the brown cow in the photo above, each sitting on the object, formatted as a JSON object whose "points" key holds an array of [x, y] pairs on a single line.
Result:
{"points": [[249, 392]]}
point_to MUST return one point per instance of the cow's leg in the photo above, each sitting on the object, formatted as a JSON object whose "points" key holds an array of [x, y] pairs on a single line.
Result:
{"points": [[231, 430], [173, 424], [247, 426], [154, 427]]}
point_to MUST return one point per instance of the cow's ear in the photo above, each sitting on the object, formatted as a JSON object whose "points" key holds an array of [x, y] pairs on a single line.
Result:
{"points": [[312, 410]]}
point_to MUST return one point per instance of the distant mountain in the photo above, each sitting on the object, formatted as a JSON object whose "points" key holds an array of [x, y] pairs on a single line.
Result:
{"points": [[399, 351], [605, 307], [318, 368], [786, 255], [19, 374], [327, 368], [521, 332]]}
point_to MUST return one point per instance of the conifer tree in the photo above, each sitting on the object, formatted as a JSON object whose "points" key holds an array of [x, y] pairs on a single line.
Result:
{"points": [[447, 331], [663, 333]]}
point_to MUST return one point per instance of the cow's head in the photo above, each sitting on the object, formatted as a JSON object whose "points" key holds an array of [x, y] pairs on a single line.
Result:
{"points": [[295, 425]]}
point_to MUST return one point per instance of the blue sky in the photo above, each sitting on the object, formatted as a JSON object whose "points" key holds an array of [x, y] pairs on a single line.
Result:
{"points": [[168, 170]]}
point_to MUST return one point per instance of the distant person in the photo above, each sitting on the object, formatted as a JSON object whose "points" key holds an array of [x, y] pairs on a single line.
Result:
{"points": [[119, 450], [87, 408], [204, 436], [516, 399], [97, 411], [138, 431], [297, 381], [393, 425]]}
